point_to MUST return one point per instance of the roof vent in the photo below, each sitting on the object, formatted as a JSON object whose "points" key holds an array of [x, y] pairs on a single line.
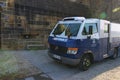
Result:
{"points": [[74, 19]]}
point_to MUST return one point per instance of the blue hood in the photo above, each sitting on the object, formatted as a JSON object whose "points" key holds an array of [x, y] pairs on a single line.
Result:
{"points": [[63, 42]]}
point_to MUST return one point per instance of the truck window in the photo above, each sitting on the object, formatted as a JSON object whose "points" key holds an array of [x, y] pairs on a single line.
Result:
{"points": [[90, 28], [70, 29], [59, 29], [106, 29]]}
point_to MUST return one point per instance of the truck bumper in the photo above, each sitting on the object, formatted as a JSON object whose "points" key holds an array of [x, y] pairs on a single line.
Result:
{"points": [[64, 60]]}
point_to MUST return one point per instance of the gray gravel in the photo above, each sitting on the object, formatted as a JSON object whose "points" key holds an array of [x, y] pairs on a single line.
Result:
{"points": [[104, 70]]}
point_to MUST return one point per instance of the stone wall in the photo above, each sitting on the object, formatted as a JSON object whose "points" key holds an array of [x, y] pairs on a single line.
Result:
{"points": [[32, 20], [115, 10], [104, 9]]}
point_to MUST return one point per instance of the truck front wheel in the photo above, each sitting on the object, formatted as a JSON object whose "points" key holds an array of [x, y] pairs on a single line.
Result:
{"points": [[115, 54], [85, 62]]}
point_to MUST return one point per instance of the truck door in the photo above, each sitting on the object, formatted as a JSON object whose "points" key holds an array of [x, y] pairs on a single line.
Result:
{"points": [[91, 38], [106, 40]]}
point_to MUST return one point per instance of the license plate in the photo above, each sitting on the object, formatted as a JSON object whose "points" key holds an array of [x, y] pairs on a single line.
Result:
{"points": [[56, 56]]}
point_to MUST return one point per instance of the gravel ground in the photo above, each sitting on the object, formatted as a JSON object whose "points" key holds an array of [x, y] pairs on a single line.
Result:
{"points": [[31, 62], [13, 65], [107, 69], [25, 67]]}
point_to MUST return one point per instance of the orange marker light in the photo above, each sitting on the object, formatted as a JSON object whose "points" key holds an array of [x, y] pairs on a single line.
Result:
{"points": [[75, 49]]}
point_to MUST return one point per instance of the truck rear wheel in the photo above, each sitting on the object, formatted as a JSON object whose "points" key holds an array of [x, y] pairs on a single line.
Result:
{"points": [[115, 54], [85, 62]]}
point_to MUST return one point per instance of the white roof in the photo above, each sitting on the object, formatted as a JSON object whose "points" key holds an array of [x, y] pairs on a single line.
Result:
{"points": [[73, 18]]}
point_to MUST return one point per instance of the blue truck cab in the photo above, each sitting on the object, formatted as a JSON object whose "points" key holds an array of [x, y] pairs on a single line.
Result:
{"points": [[81, 41]]}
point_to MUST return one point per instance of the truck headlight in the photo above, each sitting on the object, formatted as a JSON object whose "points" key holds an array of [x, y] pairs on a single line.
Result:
{"points": [[72, 50]]}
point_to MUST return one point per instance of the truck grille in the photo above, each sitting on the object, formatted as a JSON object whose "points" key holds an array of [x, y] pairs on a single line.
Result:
{"points": [[59, 49]]}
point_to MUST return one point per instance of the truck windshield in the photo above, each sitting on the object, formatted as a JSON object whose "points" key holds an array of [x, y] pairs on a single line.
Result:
{"points": [[70, 29]]}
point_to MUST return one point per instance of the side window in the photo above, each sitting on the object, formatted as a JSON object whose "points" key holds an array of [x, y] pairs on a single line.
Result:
{"points": [[90, 28], [95, 29], [106, 29], [85, 30]]}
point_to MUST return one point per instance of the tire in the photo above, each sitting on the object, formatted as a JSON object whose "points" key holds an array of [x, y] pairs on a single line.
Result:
{"points": [[115, 54], [85, 62]]}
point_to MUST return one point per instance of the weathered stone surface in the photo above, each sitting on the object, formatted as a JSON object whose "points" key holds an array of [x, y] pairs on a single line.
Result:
{"points": [[36, 18]]}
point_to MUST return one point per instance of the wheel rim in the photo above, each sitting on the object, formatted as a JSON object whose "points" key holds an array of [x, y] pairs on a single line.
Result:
{"points": [[86, 62], [115, 54]]}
